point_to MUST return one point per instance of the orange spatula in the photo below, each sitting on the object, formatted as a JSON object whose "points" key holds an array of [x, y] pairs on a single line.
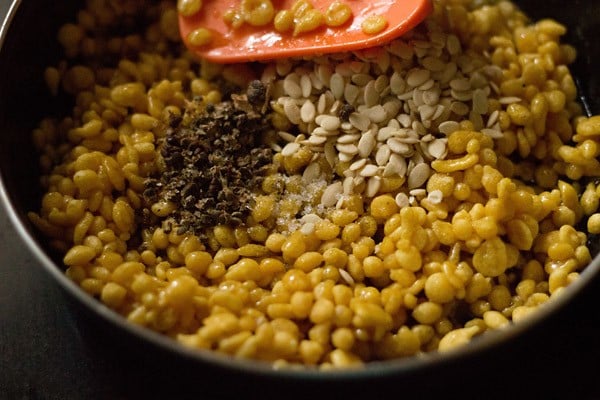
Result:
{"points": [[250, 43]]}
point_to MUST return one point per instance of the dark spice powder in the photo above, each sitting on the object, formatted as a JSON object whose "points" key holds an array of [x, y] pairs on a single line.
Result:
{"points": [[213, 160]]}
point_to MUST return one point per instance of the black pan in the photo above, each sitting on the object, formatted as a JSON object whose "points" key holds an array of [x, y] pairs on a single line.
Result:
{"points": [[28, 45]]}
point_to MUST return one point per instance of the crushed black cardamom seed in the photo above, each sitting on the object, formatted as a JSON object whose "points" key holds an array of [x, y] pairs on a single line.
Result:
{"points": [[345, 112], [258, 95], [213, 160], [257, 92]]}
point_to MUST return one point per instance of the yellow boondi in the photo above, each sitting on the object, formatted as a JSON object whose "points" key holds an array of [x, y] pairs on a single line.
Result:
{"points": [[489, 233]]}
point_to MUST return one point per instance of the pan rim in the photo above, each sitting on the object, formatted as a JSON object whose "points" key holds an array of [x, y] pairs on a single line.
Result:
{"points": [[378, 369]]}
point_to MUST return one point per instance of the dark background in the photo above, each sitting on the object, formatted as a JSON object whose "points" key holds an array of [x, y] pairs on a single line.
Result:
{"points": [[47, 353]]}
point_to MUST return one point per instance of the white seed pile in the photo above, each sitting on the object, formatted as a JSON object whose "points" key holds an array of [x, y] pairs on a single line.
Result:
{"points": [[383, 112]]}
